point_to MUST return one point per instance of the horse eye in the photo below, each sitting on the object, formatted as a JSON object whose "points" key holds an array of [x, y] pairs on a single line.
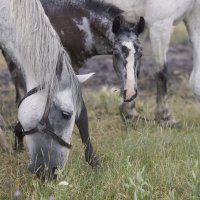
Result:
{"points": [[66, 115]]}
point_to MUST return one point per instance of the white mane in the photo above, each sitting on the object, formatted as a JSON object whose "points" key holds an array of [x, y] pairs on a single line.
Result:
{"points": [[39, 45]]}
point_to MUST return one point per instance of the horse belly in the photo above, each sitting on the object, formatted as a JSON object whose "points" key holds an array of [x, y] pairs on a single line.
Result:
{"points": [[157, 10]]}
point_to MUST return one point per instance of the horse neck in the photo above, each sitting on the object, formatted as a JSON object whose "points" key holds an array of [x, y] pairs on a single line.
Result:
{"points": [[7, 42], [32, 42], [89, 30], [102, 34]]}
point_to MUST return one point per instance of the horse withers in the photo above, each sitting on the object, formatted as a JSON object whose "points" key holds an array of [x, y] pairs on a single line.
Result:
{"points": [[53, 101]]}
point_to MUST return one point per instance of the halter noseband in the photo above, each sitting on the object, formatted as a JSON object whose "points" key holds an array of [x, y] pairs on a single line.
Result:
{"points": [[42, 126]]}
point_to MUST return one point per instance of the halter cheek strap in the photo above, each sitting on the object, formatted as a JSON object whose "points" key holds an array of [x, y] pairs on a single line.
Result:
{"points": [[42, 126], [31, 92]]}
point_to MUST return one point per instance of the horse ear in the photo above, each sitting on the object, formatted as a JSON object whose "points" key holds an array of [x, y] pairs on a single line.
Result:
{"points": [[140, 26], [117, 24], [84, 77]]}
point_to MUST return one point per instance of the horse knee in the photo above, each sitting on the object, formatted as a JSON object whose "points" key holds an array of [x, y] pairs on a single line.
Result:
{"points": [[163, 74]]}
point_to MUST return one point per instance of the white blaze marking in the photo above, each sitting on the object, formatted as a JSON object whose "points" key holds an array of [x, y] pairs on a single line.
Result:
{"points": [[130, 81], [85, 27]]}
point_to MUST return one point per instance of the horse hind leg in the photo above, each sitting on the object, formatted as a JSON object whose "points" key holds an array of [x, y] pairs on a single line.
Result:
{"points": [[160, 38]]}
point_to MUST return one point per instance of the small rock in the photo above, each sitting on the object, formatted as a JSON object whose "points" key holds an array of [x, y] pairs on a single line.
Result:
{"points": [[17, 195], [64, 183], [51, 197]]}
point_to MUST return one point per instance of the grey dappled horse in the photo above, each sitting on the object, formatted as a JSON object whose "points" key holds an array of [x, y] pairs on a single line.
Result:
{"points": [[53, 101]]}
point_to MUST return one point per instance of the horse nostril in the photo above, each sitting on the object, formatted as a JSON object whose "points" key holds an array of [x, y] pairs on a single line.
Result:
{"points": [[125, 91], [136, 93], [130, 98]]}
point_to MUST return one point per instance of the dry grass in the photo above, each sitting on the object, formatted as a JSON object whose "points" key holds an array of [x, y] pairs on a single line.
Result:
{"points": [[141, 160]]}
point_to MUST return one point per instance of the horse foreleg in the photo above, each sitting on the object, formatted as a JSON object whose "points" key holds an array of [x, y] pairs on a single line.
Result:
{"points": [[17, 78], [18, 146], [20, 88], [82, 124], [160, 38]]}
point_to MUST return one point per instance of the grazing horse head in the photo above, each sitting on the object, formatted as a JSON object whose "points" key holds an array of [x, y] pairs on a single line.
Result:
{"points": [[127, 54], [48, 121], [48, 111]]}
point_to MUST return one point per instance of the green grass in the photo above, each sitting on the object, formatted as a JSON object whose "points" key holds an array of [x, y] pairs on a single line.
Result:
{"points": [[141, 160]]}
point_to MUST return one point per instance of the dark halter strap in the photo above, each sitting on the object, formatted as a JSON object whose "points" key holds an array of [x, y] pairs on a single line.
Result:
{"points": [[31, 92], [42, 126]]}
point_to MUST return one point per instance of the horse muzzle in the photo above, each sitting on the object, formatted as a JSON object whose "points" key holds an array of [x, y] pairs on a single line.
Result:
{"points": [[130, 96], [42, 171]]}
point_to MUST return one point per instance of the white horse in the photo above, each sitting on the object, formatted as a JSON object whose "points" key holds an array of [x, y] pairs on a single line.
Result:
{"points": [[53, 102], [160, 17]]}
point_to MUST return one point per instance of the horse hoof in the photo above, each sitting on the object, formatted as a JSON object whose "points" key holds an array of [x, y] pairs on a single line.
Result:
{"points": [[169, 123], [131, 116], [95, 163], [128, 112], [18, 148]]}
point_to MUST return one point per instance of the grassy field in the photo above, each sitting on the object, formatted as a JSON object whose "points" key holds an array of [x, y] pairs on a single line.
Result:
{"points": [[141, 160]]}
